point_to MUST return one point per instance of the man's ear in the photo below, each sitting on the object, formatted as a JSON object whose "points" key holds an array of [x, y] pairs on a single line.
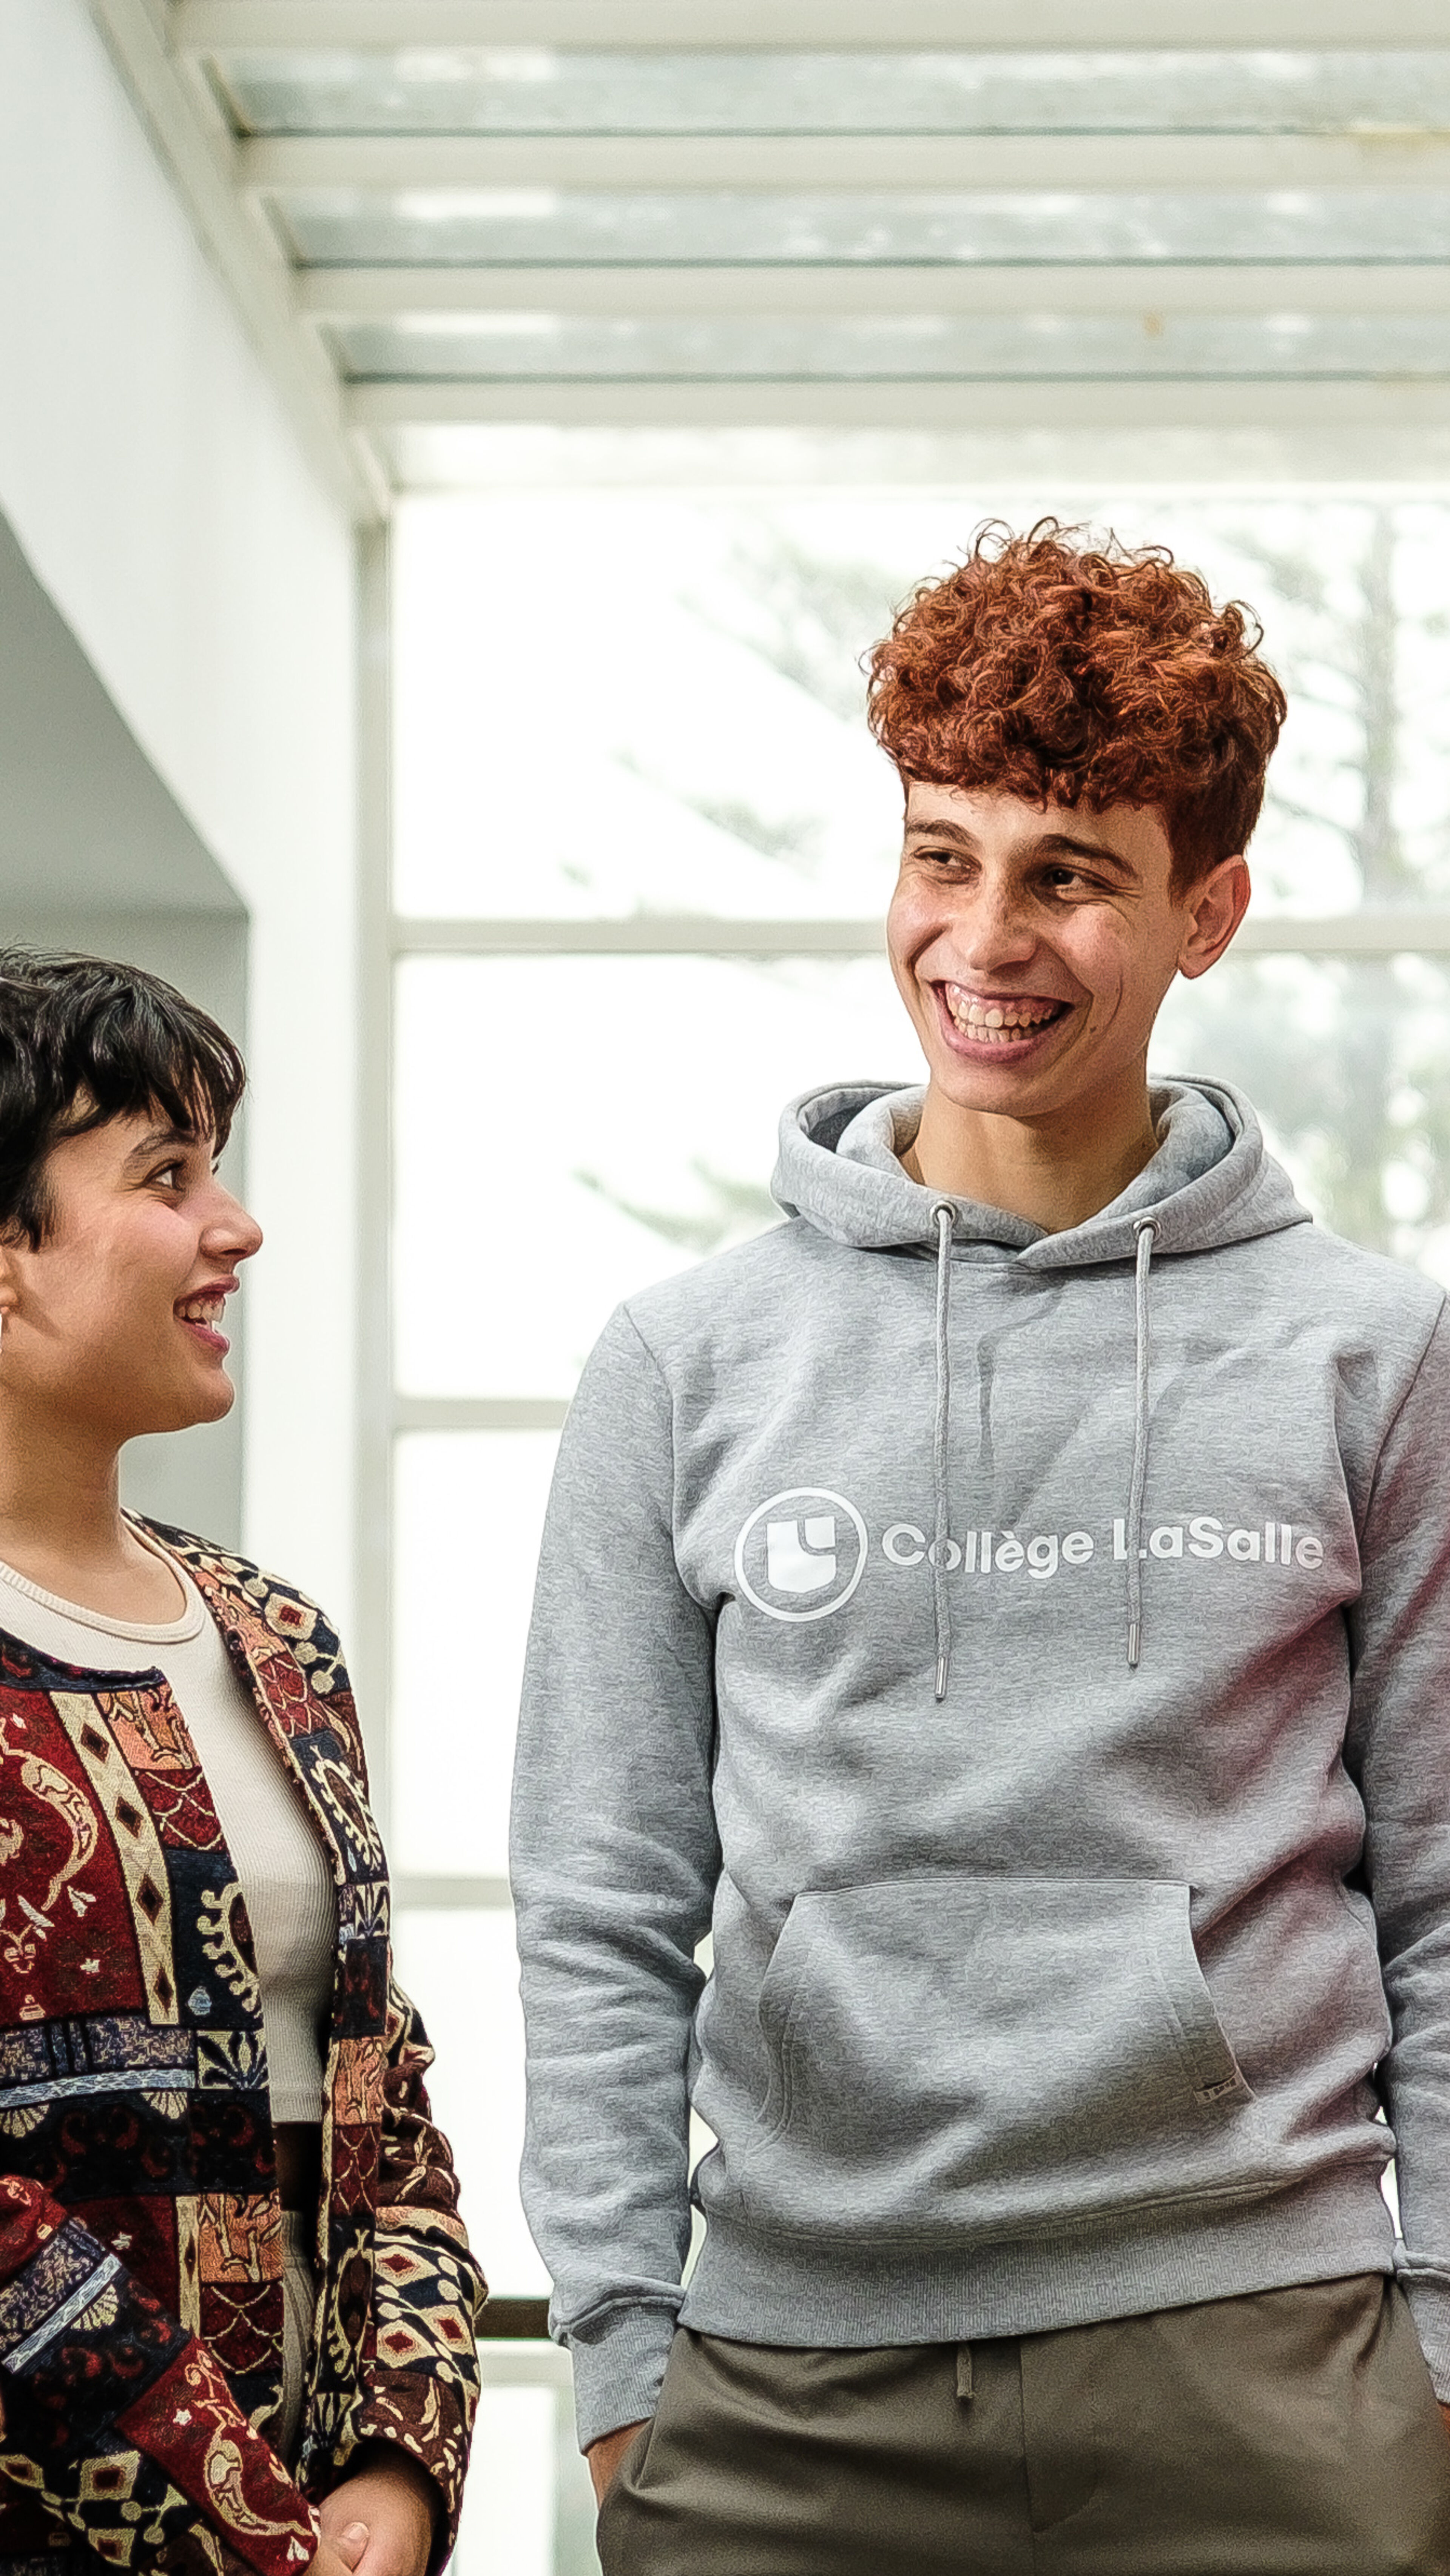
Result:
{"points": [[1215, 907]]}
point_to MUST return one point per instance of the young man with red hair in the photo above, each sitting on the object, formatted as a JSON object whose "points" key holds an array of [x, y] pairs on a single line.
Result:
{"points": [[1009, 1606]]}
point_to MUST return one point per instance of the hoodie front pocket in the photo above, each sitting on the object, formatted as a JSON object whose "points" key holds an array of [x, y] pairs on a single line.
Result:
{"points": [[994, 2056]]}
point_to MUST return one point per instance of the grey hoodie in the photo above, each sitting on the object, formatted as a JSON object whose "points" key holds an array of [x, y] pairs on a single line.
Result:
{"points": [[1029, 1655]]}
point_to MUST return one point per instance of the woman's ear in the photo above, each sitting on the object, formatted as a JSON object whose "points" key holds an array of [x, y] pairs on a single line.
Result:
{"points": [[9, 1283]]}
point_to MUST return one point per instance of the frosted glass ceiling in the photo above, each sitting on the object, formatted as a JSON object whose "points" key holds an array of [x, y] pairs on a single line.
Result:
{"points": [[1052, 348], [534, 91], [480, 234], [544, 228]]}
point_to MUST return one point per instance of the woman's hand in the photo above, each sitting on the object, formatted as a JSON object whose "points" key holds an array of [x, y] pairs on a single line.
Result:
{"points": [[393, 2503], [605, 2455]]}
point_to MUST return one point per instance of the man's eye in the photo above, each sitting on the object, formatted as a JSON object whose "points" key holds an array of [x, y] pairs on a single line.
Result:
{"points": [[171, 1175]]}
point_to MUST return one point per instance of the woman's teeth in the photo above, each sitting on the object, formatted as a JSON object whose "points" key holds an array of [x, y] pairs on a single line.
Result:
{"points": [[998, 1023]]}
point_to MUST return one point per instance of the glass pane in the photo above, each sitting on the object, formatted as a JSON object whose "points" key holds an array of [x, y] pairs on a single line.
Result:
{"points": [[539, 224], [1348, 1064], [509, 2511], [469, 1509], [919, 345], [693, 743], [462, 1973], [528, 2508], [529, 90], [571, 1128]]}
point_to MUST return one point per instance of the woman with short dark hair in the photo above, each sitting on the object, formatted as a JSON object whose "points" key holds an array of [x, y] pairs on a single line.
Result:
{"points": [[236, 2302]]}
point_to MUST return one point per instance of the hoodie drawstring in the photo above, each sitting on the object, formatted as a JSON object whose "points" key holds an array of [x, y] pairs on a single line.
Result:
{"points": [[945, 1221], [1145, 1230]]}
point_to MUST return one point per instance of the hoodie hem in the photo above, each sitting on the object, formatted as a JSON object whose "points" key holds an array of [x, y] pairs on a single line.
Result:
{"points": [[747, 2289]]}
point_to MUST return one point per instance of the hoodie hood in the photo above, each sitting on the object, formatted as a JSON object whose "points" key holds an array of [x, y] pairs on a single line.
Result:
{"points": [[1210, 1183]]}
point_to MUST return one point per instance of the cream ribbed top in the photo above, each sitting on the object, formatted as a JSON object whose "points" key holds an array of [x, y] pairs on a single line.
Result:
{"points": [[277, 1856]]}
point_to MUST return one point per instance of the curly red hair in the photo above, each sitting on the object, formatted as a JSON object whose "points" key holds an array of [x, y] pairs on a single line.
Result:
{"points": [[1048, 669]]}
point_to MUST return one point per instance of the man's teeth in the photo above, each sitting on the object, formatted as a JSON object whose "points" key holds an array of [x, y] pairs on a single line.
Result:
{"points": [[999, 1023], [203, 1310]]}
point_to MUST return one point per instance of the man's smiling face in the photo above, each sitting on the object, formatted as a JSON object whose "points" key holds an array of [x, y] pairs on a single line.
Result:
{"points": [[1033, 945]]}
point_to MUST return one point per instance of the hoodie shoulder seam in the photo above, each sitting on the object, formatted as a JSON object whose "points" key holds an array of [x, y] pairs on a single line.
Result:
{"points": [[651, 1354], [1393, 1423]]}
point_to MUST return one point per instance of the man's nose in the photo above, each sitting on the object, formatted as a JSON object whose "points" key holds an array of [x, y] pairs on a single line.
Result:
{"points": [[991, 927]]}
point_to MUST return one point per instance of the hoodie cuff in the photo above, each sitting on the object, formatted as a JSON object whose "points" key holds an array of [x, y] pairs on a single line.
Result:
{"points": [[1430, 2308], [618, 2370]]}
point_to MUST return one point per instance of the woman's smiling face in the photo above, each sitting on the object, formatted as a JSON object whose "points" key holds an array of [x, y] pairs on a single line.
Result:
{"points": [[114, 1320], [1033, 945]]}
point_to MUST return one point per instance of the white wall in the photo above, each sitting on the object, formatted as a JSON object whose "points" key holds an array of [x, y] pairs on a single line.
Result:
{"points": [[151, 477]]}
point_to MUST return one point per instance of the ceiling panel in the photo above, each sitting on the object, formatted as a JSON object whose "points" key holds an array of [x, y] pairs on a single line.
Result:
{"points": [[531, 90], [770, 211], [914, 347], [544, 227]]}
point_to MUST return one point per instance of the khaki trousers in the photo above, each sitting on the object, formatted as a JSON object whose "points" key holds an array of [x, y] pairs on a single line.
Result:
{"points": [[1291, 2433]]}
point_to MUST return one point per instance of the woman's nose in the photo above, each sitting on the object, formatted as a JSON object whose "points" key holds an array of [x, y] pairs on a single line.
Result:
{"points": [[233, 1231]]}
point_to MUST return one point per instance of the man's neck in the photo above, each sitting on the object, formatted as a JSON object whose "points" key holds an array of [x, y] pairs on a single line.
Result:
{"points": [[1054, 1172]]}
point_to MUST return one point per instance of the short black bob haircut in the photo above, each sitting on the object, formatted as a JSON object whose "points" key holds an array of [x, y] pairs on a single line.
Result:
{"points": [[84, 1040]]}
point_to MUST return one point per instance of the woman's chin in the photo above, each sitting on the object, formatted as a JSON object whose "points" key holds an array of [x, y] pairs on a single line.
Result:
{"points": [[214, 1401], [206, 1399]]}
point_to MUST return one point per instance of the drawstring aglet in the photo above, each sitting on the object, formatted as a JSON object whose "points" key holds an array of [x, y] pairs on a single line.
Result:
{"points": [[941, 1677], [1135, 1633]]}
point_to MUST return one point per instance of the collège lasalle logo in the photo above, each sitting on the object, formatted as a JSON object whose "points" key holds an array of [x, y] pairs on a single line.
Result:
{"points": [[801, 1555]]}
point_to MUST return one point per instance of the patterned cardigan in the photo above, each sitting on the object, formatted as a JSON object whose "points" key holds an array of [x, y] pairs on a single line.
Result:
{"points": [[140, 2231]]}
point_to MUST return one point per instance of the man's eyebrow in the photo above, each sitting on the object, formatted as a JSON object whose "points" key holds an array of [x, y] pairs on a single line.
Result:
{"points": [[943, 831], [1052, 845]]}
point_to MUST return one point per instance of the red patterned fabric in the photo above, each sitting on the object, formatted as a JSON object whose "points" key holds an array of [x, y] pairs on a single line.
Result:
{"points": [[140, 2231]]}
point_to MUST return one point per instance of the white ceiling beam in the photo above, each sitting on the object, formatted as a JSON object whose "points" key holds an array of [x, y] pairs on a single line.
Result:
{"points": [[1373, 932], [1133, 403], [687, 294], [782, 26], [202, 168], [1256, 164], [638, 935]]}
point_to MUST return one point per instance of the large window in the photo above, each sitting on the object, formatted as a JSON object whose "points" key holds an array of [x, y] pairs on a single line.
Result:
{"points": [[642, 845]]}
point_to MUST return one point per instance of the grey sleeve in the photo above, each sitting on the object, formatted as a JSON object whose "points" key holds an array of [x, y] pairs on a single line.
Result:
{"points": [[614, 1860], [1399, 1750]]}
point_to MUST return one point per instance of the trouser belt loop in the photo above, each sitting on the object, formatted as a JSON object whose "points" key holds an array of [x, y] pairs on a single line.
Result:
{"points": [[964, 2373]]}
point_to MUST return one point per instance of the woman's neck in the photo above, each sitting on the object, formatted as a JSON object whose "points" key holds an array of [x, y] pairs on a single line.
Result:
{"points": [[62, 1528]]}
